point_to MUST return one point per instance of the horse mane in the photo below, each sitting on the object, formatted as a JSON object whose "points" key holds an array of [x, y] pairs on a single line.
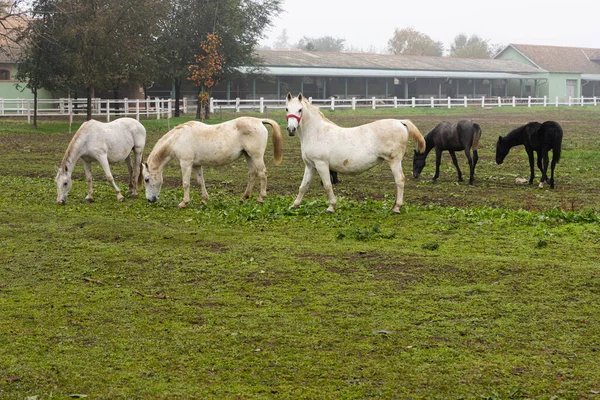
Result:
{"points": [[71, 148], [307, 104], [516, 133]]}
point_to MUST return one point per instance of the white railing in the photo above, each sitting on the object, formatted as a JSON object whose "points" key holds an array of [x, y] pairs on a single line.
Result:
{"points": [[333, 103], [105, 108]]}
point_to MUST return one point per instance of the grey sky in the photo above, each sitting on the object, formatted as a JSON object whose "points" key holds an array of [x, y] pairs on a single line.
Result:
{"points": [[371, 23]]}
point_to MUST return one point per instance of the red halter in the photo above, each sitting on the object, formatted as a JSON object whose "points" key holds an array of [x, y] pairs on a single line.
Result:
{"points": [[296, 117]]}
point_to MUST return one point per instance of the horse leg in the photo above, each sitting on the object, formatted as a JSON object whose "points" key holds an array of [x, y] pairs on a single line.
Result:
{"points": [[323, 170], [531, 161], [306, 179], [87, 166], [545, 163], [438, 160], [552, 171], [475, 159], [540, 165], [455, 162], [186, 173], [200, 179], [103, 160], [261, 171], [252, 172], [399, 179], [137, 170], [132, 188]]}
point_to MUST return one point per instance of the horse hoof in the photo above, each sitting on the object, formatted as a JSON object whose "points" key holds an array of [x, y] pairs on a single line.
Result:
{"points": [[541, 185], [134, 196], [182, 205], [260, 201], [396, 210], [89, 199], [330, 211]]}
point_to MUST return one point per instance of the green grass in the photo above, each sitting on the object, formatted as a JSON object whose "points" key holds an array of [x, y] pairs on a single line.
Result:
{"points": [[489, 291]]}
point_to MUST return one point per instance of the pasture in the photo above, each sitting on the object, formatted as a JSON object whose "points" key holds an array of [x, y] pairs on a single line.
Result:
{"points": [[485, 291]]}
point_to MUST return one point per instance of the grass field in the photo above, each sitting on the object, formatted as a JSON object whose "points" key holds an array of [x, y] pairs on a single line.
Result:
{"points": [[486, 291]]}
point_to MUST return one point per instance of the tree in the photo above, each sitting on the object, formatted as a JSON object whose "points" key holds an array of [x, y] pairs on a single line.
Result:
{"points": [[470, 47], [100, 44], [240, 24], [409, 41], [282, 41], [13, 20], [42, 64], [206, 71], [324, 43]]}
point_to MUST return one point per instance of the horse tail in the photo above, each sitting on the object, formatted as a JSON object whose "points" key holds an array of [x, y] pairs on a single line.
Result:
{"points": [[556, 142], [476, 136], [415, 134], [140, 179], [277, 140]]}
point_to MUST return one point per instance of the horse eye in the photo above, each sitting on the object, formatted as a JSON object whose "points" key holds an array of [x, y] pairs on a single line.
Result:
{"points": [[146, 180], [286, 110], [299, 111]]}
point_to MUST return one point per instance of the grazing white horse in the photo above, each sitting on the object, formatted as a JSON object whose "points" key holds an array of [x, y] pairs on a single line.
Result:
{"points": [[106, 143], [195, 144], [327, 146]]}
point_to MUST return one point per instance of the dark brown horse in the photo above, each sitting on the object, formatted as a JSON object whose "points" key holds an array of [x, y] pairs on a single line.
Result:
{"points": [[463, 135], [537, 137]]}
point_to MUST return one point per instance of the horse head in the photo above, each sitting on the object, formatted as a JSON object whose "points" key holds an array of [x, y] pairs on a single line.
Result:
{"points": [[152, 182], [293, 109], [63, 184], [418, 163], [502, 148]]}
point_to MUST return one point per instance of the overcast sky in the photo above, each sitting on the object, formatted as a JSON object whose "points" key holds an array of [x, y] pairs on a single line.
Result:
{"points": [[371, 23]]}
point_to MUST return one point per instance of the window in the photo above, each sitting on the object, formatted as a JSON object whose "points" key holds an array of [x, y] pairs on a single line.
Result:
{"points": [[4, 75]]}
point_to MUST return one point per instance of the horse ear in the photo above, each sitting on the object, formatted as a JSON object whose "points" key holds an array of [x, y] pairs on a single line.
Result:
{"points": [[289, 96], [300, 96], [499, 139]]}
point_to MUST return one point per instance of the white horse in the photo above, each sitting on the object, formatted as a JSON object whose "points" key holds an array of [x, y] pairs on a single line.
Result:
{"points": [[106, 143], [195, 144], [327, 146]]}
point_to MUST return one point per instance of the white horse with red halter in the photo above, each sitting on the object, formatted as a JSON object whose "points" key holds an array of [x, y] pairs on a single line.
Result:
{"points": [[327, 146]]}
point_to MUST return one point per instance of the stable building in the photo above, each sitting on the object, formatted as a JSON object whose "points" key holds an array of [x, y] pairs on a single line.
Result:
{"points": [[360, 75], [518, 70], [563, 71]]}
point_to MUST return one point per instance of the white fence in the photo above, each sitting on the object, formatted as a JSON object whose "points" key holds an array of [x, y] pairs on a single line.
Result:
{"points": [[374, 103], [67, 107], [156, 107]]}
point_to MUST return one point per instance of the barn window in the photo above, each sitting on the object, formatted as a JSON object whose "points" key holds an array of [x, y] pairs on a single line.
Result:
{"points": [[4, 75]]}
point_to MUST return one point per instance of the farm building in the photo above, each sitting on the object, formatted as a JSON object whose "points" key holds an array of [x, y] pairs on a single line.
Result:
{"points": [[519, 70], [360, 75], [10, 53], [563, 71]]}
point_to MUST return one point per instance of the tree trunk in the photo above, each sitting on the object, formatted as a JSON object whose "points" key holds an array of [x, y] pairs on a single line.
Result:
{"points": [[90, 93], [35, 107], [177, 84]]}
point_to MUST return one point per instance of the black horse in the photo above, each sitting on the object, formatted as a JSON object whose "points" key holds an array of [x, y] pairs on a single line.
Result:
{"points": [[537, 137], [463, 135]]}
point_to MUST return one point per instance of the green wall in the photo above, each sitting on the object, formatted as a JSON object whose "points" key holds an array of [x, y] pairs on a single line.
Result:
{"points": [[9, 90], [556, 84]]}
